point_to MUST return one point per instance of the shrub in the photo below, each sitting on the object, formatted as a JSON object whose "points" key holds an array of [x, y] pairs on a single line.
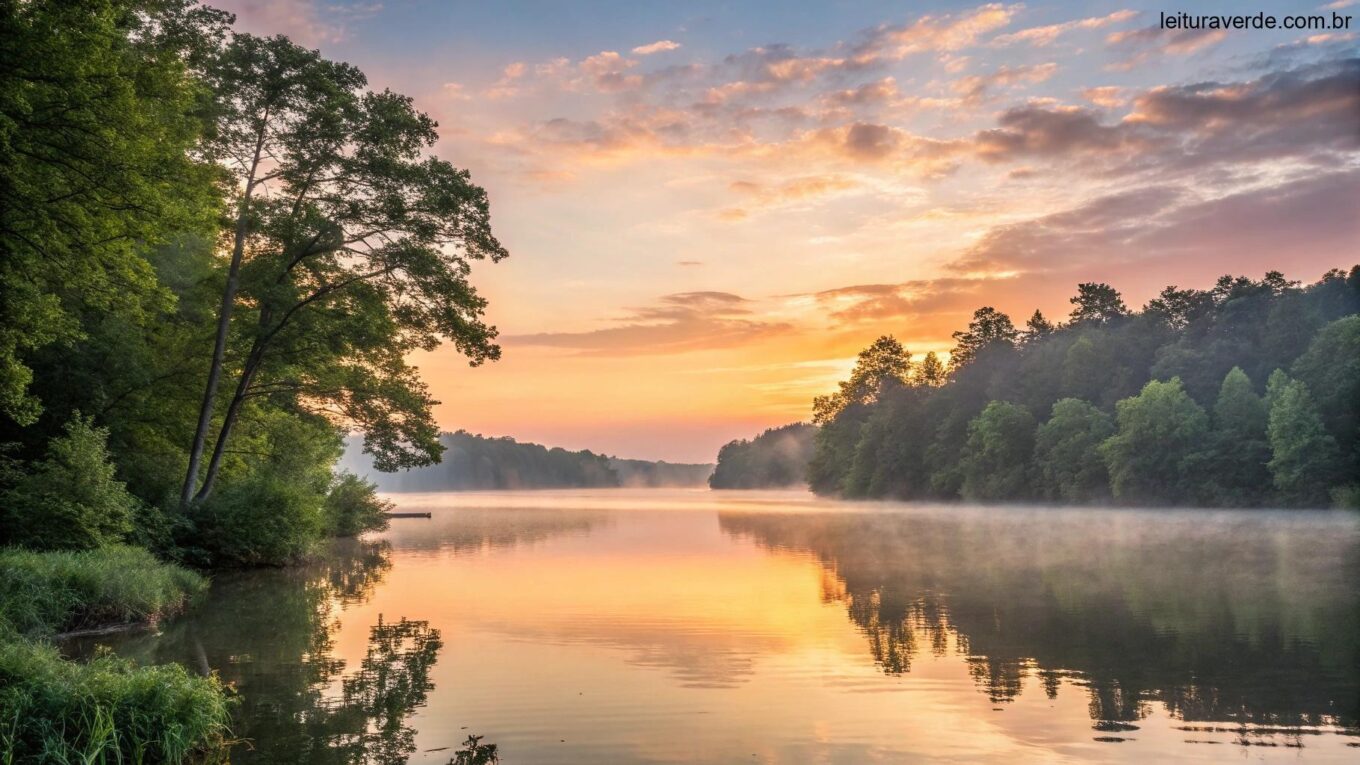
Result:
{"points": [[69, 499], [353, 507], [43, 593], [104, 710], [260, 520]]}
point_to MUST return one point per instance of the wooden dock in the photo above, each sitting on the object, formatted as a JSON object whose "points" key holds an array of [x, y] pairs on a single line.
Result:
{"points": [[408, 515]]}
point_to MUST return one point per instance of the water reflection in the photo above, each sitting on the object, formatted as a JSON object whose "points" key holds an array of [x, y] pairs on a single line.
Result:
{"points": [[664, 627], [1250, 620], [270, 635]]}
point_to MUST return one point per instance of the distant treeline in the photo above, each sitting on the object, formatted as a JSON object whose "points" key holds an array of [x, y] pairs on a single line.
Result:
{"points": [[473, 462], [1245, 394], [776, 458]]}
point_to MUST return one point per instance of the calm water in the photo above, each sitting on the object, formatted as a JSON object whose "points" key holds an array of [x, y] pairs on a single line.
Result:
{"points": [[697, 627]]}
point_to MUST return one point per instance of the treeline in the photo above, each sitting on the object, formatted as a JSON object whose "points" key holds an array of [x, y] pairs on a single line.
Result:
{"points": [[1242, 395], [776, 458], [473, 462]]}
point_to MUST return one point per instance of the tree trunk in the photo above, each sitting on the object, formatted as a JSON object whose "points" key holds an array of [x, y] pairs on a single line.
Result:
{"points": [[229, 420]]}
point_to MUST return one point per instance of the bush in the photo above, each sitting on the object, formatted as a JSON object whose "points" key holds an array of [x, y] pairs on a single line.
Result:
{"points": [[353, 507], [260, 520], [44, 593], [105, 710], [70, 499]]}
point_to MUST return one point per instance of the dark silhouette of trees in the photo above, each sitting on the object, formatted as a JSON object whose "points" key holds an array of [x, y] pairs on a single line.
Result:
{"points": [[1158, 406], [776, 458]]}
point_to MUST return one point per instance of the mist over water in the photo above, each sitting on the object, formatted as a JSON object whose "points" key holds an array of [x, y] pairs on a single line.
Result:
{"points": [[641, 626]]}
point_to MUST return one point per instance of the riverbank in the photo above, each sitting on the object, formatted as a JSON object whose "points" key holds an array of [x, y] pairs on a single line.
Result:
{"points": [[108, 708]]}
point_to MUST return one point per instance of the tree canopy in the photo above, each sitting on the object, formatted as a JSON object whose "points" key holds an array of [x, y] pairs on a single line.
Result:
{"points": [[1158, 406]]}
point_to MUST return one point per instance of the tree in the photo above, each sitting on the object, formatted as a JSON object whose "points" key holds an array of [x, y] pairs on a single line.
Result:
{"points": [[1098, 303], [1178, 308], [70, 499], [1233, 465], [1330, 367], [996, 459], [359, 255], [1304, 458], [1037, 327], [1067, 461], [1158, 430], [930, 372], [97, 118], [884, 362], [989, 327], [776, 458]]}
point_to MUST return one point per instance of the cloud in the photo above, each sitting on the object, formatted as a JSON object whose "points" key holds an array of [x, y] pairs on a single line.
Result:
{"points": [[874, 303], [677, 323], [1318, 216], [660, 46], [1137, 46], [931, 34], [1107, 96], [1047, 35], [978, 88], [1057, 132], [1308, 114]]}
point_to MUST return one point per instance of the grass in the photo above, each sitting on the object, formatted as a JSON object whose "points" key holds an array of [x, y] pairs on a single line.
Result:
{"points": [[46, 593], [106, 710]]}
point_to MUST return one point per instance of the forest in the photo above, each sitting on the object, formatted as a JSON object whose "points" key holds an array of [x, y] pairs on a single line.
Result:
{"points": [[1245, 394], [473, 462], [777, 458], [216, 252]]}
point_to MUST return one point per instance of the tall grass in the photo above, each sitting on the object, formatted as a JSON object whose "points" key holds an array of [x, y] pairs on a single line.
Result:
{"points": [[44, 593], [106, 710]]}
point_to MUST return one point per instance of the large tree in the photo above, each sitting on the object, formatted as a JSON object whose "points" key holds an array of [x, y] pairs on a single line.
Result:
{"points": [[98, 113], [884, 362], [1067, 461], [996, 459], [1159, 430], [1304, 458], [350, 248], [988, 328]]}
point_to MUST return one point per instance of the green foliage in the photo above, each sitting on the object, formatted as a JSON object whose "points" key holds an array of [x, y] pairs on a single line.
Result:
{"points": [[989, 328], [1331, 370], [1304, 457], [44, 593], [996, 460], [885, 362], [70, 498], [1097, 303], [1068, 465], [359, 255], [1158, 432], [931, 371], [106, 710], [1233, 463], [353, 506], [263, 519], [778, 457], [912, 442], [98, 118]]}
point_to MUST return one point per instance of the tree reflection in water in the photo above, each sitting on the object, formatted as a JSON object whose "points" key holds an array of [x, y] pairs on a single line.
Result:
{"points": [[270, 636], [1250, 619]]}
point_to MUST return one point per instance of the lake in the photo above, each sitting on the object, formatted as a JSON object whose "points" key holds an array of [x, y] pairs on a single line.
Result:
{"points": [[688, 626]]}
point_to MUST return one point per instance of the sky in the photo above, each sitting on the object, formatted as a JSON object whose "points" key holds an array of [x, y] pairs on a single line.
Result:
{"points": [[711, 207]]}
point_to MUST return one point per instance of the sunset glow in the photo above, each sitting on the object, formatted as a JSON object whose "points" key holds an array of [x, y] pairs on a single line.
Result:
{"points": [[710, 207]]}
